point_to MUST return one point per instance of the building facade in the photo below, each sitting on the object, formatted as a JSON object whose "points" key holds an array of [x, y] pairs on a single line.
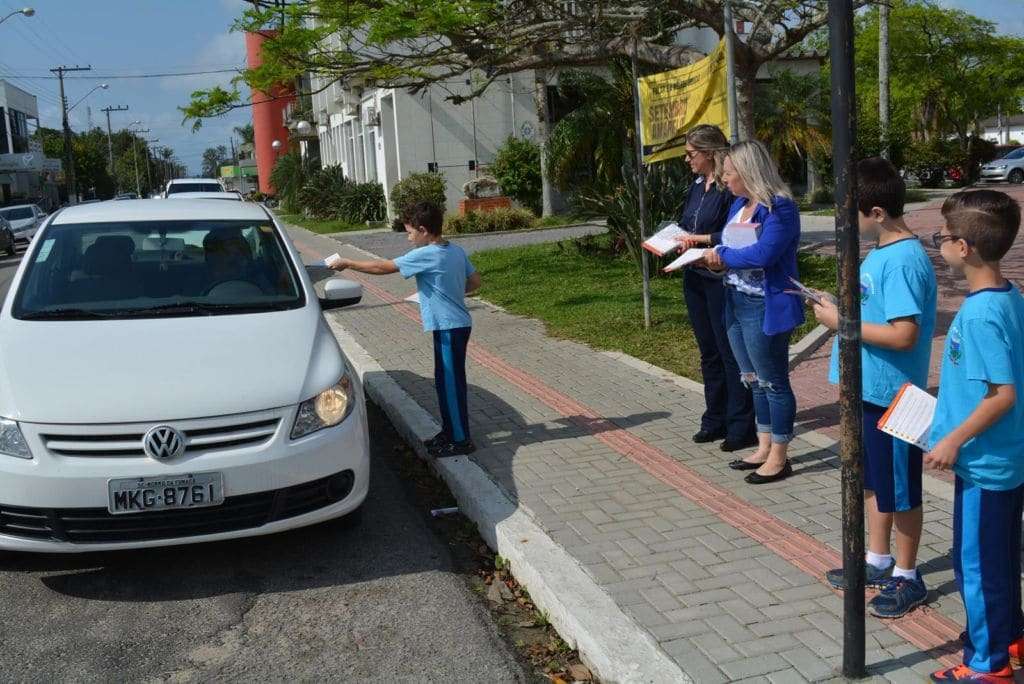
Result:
{"points": [[26, 174]]}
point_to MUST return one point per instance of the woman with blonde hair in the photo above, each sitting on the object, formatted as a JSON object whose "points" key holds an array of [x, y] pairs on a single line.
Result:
{"points": [[759, 314], [729, 409]]}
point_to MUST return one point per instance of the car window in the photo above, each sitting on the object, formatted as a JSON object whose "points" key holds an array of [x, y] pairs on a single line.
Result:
{"points": [[17, 214], [158, 268], [193, 187], [1016, 154]]}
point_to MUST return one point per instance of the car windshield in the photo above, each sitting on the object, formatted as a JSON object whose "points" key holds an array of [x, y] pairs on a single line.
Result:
{"points": [[193, 187], [17, 213], [152, 268], [1016, 154]]}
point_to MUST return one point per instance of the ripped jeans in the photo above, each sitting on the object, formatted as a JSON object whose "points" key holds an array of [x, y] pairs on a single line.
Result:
{"points": [[764, 364]]}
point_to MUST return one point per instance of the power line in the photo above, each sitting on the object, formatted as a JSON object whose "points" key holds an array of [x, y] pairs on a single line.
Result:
{"points": [[70, 55], [113, 76]]}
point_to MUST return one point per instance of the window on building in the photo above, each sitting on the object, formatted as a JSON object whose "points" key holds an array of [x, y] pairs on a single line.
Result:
{"points": [[4, 149], [19, 131]]}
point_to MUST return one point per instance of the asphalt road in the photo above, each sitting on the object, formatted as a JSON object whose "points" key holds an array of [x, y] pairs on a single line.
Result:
{"points": [[373, 600], [8, 265]]}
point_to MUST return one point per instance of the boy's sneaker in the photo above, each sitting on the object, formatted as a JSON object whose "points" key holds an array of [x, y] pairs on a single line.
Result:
{"points": [[962, 673], [874, 578], [1017, 652], [452, 449], [436, 441], [898, 597]]}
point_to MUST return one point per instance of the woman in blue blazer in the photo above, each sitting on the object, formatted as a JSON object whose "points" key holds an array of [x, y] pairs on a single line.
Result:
{"points": [[760, 316]]}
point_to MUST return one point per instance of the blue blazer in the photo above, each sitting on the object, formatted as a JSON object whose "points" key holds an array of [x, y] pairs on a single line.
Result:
{"points": [[775, 251]]}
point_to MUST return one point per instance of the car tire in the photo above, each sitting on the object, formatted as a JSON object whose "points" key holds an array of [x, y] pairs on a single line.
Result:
{"points": [[13, 249], [1016, 176]]}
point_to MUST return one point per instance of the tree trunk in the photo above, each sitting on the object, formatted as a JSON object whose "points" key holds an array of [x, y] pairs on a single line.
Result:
{"points": [[746, 76], [540, 99]]}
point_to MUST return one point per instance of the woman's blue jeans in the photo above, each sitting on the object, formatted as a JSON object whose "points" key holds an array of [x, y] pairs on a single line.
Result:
{"points": [[764, 364]]}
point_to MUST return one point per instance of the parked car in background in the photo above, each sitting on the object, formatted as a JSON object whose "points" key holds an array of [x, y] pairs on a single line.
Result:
{"points": [[226, 195], [126, 196], [7, 243], [192, 185], [169, 377], [24, 220], [1009, 168]]}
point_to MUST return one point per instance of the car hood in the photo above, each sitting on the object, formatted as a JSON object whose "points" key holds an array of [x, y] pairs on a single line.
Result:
{"points": [[21, 224], [138, 370]]}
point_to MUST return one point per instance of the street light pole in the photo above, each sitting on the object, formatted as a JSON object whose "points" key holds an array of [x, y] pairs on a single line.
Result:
{"points": [[149, 180], [135, 153], [69, 152], [110, 144], [844, 126], [26, 11]]}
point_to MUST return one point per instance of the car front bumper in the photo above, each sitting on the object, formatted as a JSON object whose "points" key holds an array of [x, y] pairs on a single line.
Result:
{"points": [[57, 503], [995, 175]]}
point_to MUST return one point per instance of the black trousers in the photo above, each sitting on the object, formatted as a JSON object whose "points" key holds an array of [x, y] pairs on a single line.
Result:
{"points": [[730, 406]]}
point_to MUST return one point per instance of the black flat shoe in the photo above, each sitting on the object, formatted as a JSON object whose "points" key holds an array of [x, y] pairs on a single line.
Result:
{"points": [[705, 436], [436, 441], [755, 479], [740, 464], [731, 444]]}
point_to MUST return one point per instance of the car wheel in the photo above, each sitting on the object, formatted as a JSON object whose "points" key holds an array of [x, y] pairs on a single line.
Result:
{"points": [[1016, 176], [13, 249]]}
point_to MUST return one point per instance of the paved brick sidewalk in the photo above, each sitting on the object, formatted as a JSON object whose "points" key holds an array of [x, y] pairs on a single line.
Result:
{"points": [[816, 400], [725, 576]]}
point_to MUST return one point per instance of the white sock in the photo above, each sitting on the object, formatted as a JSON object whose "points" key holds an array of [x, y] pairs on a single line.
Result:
{"points": [[910, 574], [880, 561]]}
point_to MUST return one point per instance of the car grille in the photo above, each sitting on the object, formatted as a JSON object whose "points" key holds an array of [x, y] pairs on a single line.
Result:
{"points": [[198, 439], [243, 512]]}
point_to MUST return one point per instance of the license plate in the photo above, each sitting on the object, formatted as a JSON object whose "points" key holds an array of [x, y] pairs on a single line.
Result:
{"points": [[141, 494]]}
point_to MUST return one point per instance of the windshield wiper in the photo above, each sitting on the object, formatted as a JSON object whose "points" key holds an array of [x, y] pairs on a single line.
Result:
{"points": [[63, 314], [192, 308]]}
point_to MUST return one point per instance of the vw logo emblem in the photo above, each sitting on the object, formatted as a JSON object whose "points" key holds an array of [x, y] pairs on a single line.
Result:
{"points": [[163, 442]]}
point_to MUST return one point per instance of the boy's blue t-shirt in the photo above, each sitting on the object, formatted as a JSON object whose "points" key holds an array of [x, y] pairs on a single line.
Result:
{"points": [[985, 344], [896, 281], [441, 271]]}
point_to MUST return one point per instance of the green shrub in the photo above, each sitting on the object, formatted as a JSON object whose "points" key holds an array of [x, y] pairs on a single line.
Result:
{"points": [[419, 187], [517, 168], [288, 177], [489, 221], [363, 202], [321, 194]]}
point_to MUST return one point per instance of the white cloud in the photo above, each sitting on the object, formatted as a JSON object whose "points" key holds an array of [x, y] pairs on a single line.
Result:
{"points": [[225, 50]]}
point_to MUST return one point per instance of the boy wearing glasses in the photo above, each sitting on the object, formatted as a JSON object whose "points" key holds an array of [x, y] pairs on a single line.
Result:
{"points": [[978, 431], [898, 295]]}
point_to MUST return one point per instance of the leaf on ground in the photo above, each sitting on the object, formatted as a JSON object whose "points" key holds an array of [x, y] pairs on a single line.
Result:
{"points": [[494, 594], [580, 672]]}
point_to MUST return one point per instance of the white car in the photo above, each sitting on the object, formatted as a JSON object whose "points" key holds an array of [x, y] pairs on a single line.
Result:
{"points": [[167, 376], [225, 195], [192, 185], [24, 219]]}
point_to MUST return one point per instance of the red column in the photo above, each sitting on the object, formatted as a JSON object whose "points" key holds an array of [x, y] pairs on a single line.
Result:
{"points": [[267, 113]]}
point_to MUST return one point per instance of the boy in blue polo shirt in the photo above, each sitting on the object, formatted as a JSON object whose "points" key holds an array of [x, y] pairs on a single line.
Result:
{"points": [[978, 431], [444, 275], [898, 296]]}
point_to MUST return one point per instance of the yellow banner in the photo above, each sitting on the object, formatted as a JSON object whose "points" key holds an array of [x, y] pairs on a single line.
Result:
{"points": [[673, 102]]}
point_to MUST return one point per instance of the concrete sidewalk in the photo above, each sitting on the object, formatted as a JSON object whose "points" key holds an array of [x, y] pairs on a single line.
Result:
{"points": [[678, 566]]}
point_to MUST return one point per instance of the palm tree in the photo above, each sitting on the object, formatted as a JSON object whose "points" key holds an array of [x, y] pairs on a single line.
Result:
{"points": [[788, 116], [245, 133]]}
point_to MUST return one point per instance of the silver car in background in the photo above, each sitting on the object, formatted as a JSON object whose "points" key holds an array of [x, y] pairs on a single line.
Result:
{"points": [[1010, 168], [25, 219]]}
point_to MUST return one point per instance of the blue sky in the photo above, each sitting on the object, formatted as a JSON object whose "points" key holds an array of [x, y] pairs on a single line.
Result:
{"points": [[122, 37], [1007, 14]]}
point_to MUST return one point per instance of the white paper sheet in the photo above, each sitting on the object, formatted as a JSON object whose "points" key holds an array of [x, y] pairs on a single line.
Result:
{"points": [[414, 298], [664, 241], [739, 235], [909, 417], [687, 257], [326, 263]]}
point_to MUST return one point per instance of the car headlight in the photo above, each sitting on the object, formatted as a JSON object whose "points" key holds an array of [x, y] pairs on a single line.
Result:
{"points": [[999, 167], [325, 410], [12, 443]]}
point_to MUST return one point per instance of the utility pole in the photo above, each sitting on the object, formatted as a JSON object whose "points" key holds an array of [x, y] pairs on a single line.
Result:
{"points": [[135, 157], [110, 144], [149, 180], [844, 127], [883, 76], [69, 153], [730, 72]]}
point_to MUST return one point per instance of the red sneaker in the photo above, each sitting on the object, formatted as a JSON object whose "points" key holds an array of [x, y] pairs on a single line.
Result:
{"points": [[962, 673], [1017, 652]]}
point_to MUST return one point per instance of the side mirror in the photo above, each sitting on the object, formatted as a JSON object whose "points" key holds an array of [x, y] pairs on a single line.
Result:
{"points": [[339, 292]]}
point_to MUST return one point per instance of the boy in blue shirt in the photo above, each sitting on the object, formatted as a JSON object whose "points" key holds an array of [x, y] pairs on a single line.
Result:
{"points": [[444, 275], [978, 431], [898, 297]]}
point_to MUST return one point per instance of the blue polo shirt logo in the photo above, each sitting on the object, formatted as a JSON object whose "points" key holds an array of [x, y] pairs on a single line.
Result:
{"points": [[955, 346], [867, 287]]}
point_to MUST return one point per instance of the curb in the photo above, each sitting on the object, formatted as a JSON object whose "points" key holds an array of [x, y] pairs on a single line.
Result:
{"points": [[807, 345], [610, 643]]}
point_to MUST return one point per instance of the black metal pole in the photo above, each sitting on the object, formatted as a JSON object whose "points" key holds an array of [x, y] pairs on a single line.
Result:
{"points": [[840, 25]]}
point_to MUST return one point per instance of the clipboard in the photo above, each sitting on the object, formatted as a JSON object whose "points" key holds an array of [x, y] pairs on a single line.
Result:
{"points": [[909, 416]]}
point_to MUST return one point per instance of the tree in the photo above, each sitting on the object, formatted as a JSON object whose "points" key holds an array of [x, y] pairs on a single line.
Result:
{"points": [[790, 120], [213, 159], [417, 43], [245, 133]]}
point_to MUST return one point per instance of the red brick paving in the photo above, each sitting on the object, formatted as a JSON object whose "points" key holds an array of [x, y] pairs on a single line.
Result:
{"points": [[817, 407]]}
